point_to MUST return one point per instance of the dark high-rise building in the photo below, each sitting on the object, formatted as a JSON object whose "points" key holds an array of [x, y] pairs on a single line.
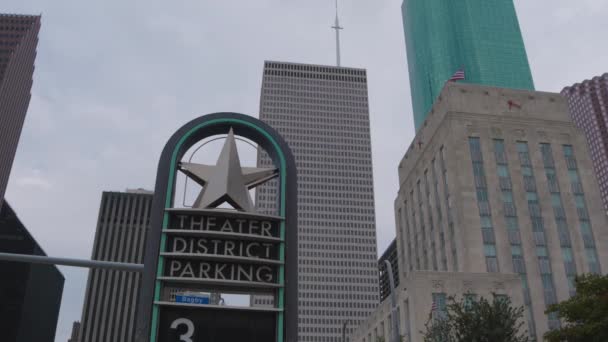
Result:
{"points": [[323, 114], [481, 37], [588, 102], [30, 294], [108, 314], [18, 40], [389, 254], [75, 337]]}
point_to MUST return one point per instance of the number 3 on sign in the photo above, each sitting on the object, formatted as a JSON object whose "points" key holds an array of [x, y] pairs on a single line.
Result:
{"points": [[187, 336]]}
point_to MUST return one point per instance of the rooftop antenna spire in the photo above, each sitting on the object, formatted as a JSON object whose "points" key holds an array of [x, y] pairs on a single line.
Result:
{"points": [[337, 27]]}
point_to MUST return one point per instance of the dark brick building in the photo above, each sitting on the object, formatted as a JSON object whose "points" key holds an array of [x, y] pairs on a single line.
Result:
{"points": [[18, 40], [30, 294], [389, 254], [588, 102]]}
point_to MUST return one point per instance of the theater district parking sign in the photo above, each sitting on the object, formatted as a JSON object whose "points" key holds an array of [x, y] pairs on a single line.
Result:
{"points": [[205, 249]]}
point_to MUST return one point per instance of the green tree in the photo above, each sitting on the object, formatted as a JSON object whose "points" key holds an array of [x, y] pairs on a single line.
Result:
{"points": [[585, 315], [438, 329], [477, 320]]}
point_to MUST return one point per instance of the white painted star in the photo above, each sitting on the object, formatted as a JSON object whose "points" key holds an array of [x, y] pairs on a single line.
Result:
{"points": [[227, 181]]}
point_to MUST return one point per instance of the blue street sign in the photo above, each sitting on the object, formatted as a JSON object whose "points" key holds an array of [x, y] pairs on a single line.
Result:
{"points": [[190, 299]]}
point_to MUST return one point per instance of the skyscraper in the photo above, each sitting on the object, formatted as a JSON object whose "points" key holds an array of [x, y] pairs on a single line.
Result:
{"points": [[588, 102], [322, 112], [108, 314], [30, 294], [75, 331], [481, 37], [501, 183], [18, 40]]}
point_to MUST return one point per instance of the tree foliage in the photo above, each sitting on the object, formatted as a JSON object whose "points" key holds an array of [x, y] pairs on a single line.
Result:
{"points": [[585, 315], [477, 320]]}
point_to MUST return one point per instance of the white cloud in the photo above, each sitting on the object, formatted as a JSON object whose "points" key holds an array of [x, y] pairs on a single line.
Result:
{"points": [[33, 181]]}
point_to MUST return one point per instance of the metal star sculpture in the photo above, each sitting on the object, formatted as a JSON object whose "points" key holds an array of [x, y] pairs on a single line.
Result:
{"points": [[227, 181]]}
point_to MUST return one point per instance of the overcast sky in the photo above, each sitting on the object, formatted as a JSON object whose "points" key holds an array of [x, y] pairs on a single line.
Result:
{"points": [[114, 79]]}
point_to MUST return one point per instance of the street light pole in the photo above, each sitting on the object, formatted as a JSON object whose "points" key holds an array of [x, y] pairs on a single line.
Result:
{"points": [[41, 259]]}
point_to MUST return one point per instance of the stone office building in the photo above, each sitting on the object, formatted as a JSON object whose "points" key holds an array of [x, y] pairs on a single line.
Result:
{"points": [[500, 181]]}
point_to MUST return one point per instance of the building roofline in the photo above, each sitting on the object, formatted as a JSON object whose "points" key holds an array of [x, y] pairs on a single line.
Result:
{"points": [[388, 250], [21, 16], [584, 82], [316, 65]]}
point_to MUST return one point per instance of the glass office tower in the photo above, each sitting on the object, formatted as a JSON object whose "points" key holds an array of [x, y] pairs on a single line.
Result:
{"points": [[481, 37]]}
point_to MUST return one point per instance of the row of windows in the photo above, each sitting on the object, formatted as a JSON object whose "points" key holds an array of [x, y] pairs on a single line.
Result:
{"points": [[9, 43], [14, 28], [271, 112], [338, 247], [270, 82], [282, 107], [310, 97], [309, 229], [316, 76], [318, 92], [314, 68], [303, 117]]}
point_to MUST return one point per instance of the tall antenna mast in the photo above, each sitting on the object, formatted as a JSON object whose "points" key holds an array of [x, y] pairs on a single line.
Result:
{"points": [[337, 27]]}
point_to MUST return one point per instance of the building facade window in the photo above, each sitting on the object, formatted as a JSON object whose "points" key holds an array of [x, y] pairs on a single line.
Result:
{"points": [[440, 220], [469, 299], [429, 212], [536, 220], [558, 211], [581, 208], [448, 206], [439, 307], [422, 225], [483, 203]]}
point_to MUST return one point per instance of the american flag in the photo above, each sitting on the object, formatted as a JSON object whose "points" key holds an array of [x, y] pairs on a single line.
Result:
{"points": [[458, 75], [434, 306]]}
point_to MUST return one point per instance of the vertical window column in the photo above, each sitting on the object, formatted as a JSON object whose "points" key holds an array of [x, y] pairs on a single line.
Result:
{"points": [[444, 260], [512, 225], [504, 180], [429, 212], [581, 208], [538, 228], [424, 245], [415, 230], [408, 238], [559, 214], [403, 234], [448, 206], [487, 231]]}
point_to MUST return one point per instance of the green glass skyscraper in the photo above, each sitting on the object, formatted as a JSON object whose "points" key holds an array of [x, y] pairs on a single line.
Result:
{"points": [[481, 37]]}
